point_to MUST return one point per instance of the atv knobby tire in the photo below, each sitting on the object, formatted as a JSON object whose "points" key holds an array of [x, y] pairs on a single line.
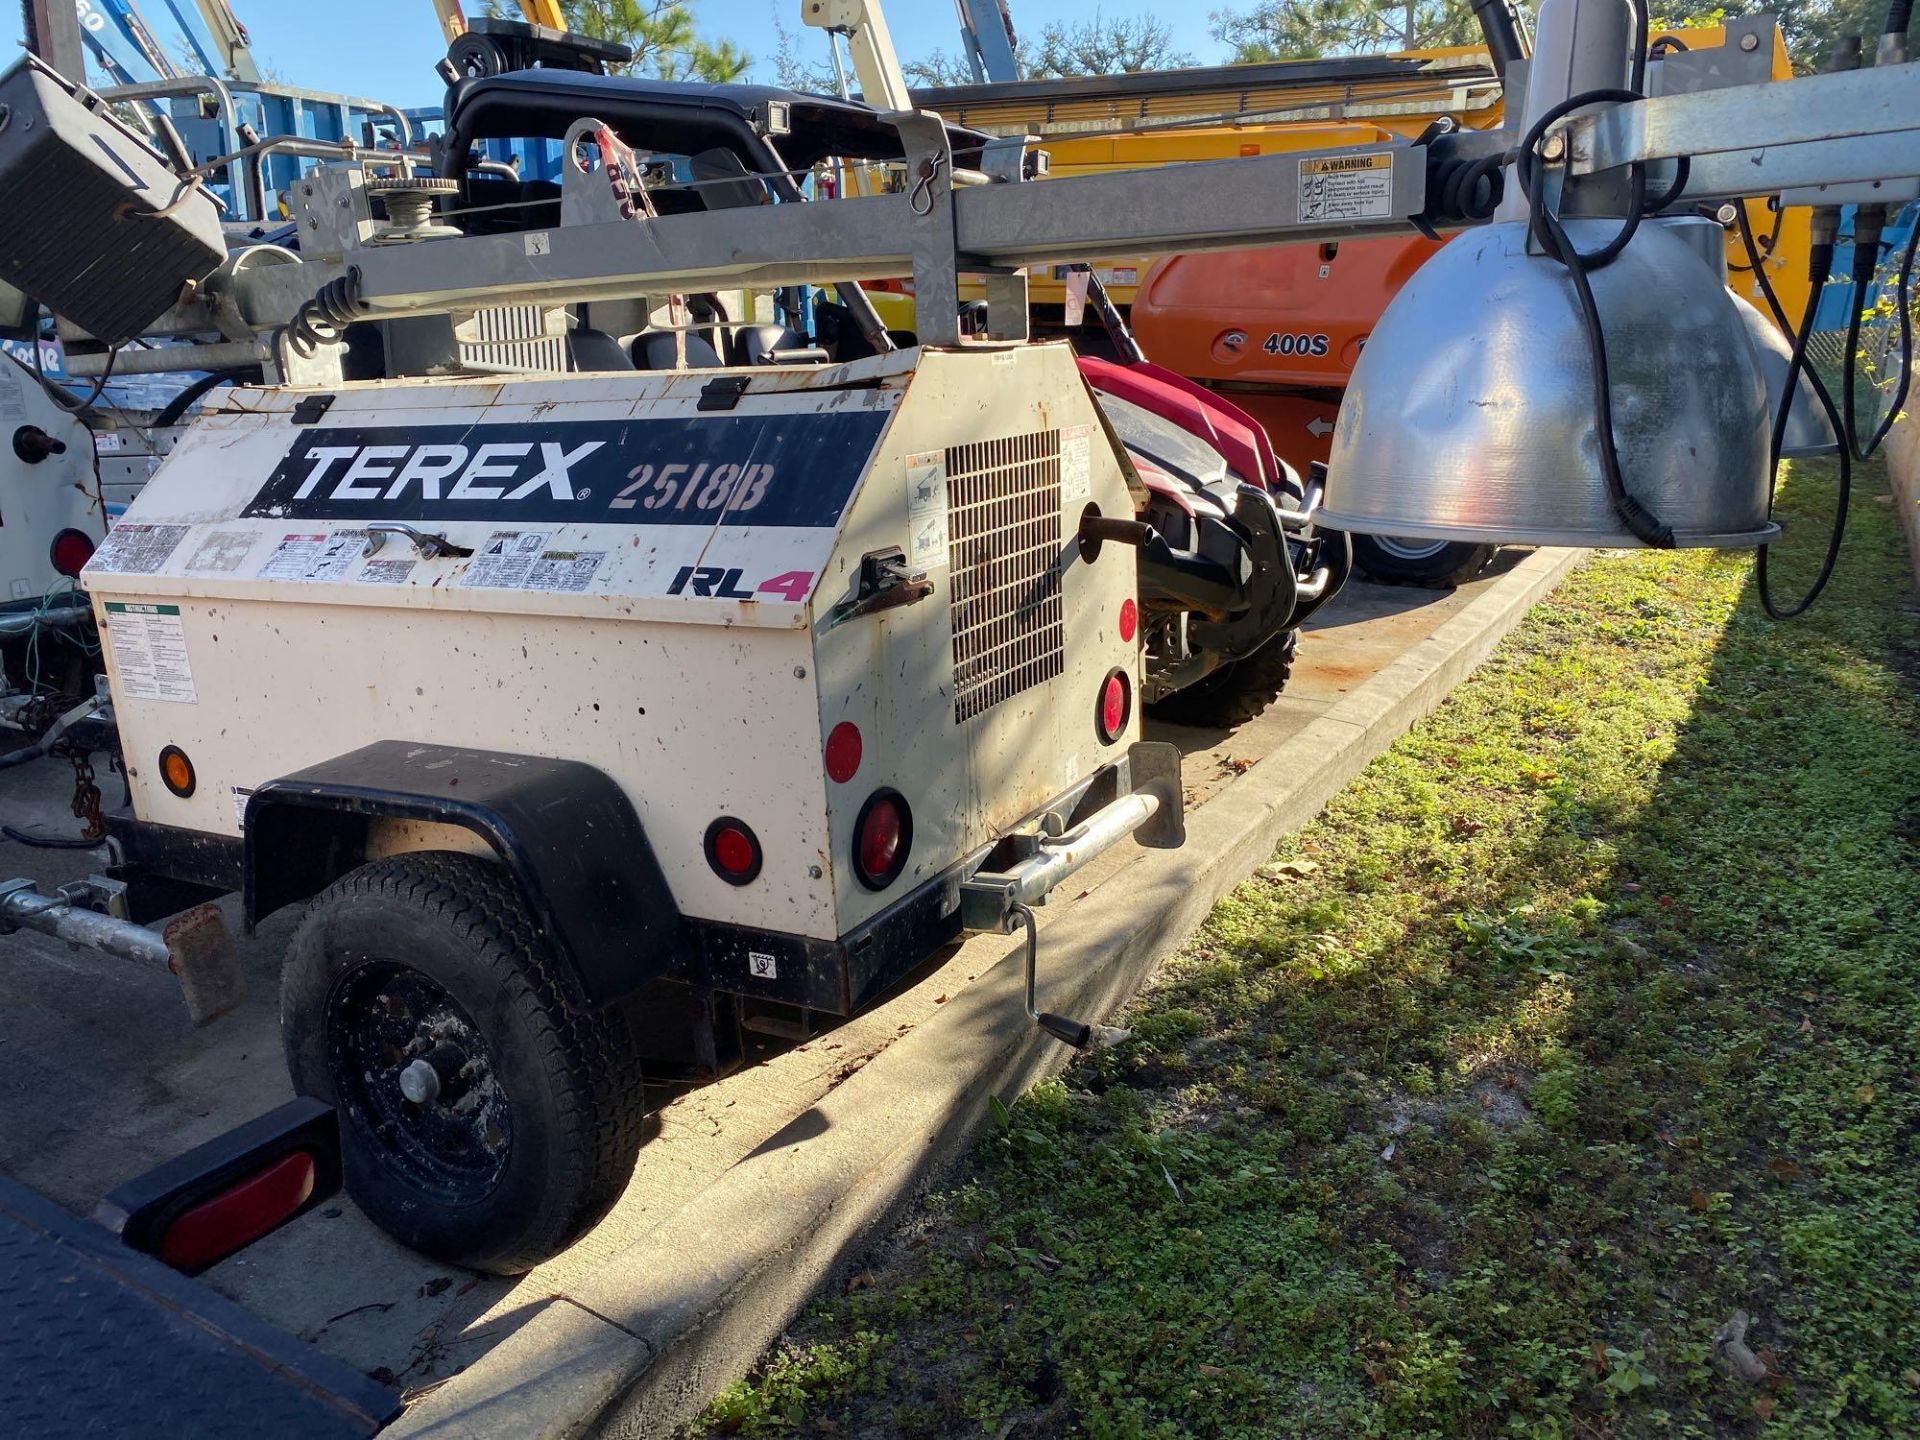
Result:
{"points": [[1235, 693]]}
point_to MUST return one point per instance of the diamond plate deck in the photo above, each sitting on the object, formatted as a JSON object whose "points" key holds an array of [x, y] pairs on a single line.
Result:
{"points": [[98, 1340]]}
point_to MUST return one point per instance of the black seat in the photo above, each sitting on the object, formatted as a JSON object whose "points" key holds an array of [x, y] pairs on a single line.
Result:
{"points": [[596, 350], [655, 350], [775, 345], [526, 205]]}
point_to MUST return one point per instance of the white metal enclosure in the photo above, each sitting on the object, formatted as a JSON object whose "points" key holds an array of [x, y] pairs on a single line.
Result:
{"points": [[657, 563]]}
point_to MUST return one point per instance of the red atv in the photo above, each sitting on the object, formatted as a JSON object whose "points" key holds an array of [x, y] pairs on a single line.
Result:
{"points": [[1231, 561]]}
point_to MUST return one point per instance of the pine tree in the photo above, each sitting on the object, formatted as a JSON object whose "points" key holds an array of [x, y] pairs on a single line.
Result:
{"points": [[661, 33]]}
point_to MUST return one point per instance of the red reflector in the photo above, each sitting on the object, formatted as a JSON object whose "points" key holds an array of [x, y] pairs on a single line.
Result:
{"points": [[843, 752], [70, 552], [733, 850], [1116, 705], [239, 1216], [1129, 620]]}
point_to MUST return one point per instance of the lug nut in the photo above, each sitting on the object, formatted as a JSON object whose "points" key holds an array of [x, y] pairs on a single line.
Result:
{"points": [[420, 1083]]}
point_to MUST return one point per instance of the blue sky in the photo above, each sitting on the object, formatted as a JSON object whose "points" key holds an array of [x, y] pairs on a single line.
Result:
{"points": [[385, 49]]}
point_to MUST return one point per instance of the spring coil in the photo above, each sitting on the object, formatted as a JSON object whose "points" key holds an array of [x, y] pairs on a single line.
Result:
{"points": [[324, 319], [1469, 190]]}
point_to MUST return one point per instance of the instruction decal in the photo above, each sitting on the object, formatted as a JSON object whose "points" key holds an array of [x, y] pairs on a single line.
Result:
{"points": [[136, 549], [222, 552], [790, 470], [385, 572], [1346, 187], [521, 560], [1076, 462], [565, 571], [927, 508], [503, 561], [314, 557], [150, 652]]}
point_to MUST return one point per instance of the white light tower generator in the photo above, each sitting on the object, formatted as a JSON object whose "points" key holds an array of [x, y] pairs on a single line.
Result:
{"points": [[667, 678]]}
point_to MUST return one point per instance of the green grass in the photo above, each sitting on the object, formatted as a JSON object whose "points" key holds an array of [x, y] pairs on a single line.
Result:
{"points": [[1586, 1017]]}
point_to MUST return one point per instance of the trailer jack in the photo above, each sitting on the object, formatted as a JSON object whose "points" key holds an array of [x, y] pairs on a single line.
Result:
{"points": [[195, 947], [1077, 1033]]}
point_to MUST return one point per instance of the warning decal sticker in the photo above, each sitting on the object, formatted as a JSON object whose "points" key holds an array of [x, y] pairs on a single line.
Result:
{"points": [[519, 560], [1076, 462], [503, 562], [150, 651], [136, 549], [314, 557], [1346, 187], [386, 572], [927, 507], [222, 552], [564, 570]]}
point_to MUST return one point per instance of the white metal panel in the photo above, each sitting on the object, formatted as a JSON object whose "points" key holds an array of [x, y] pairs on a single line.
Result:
{"points": [[38, 501], [893, 673], [697, 707]]}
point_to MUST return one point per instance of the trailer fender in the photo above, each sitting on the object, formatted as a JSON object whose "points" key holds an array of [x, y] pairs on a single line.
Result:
{"points": [[565, 832]]}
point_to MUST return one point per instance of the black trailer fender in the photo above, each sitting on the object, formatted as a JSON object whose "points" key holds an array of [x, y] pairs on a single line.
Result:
{"points": [[565, 832]]}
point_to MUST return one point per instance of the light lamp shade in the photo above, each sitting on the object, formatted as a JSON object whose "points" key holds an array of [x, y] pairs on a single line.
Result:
{"points": [[1470, 415], [1809, 432]]}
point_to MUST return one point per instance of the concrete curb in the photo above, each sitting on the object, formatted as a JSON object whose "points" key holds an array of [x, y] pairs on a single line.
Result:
{"points": [[640, 1348]]}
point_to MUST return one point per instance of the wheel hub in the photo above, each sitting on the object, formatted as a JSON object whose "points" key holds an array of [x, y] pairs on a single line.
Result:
{"points": [[414, 1073]]}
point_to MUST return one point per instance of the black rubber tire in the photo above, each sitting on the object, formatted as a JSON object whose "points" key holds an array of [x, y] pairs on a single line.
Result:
{"points": [[1448, 564], [573, 1100], [1236, 692]]}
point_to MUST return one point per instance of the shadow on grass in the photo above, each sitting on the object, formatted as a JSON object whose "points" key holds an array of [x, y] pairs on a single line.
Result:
{"points": [[1582, 1022]]}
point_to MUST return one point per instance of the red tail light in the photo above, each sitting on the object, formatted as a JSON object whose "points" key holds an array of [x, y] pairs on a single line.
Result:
{"points": [[237, 1217], [1116, 707], [882, 837], [70, 551], [1129, 620], [733, 850]]}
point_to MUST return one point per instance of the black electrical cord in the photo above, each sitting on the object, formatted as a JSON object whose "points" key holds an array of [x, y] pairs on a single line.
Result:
{"points": [[1763, 253], [1552, 238], [171, 412], [1682, 172], [1902, 299], [1795, 368], [1642, 31], [49, 842]]}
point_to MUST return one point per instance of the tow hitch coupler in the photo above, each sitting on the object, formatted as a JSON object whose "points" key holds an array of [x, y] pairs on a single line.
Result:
{"points": [[195, 946]]}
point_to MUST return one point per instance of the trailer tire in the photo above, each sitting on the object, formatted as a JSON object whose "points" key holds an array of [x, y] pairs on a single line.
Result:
{"points": [[1441, 564], [432, 960], [1235, 693]]}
